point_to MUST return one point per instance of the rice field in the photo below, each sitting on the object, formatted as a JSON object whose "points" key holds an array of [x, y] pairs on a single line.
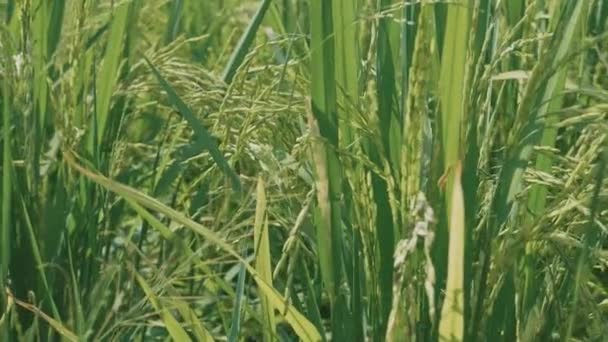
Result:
{"points": [[304, 170]]}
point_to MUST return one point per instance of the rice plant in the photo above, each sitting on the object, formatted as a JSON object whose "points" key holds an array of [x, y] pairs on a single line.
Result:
{"points": [[314, 170]]}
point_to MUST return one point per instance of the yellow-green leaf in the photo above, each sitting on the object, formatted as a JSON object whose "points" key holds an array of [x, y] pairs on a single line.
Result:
{"points": [[262, 259], [451, 327], [173, 327]]}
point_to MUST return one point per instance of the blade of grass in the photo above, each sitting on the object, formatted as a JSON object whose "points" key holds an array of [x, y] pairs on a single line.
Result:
{"points": [[189, 316], [451, 85], [514, 11], [347, 69], [322, 217], [55, 324], [55, 25], [451, 326], [452, 100], [327, 164], [79, 323], [173, 327], [387, 151], [347, 59], [40, 59], [174, 20], [235, 322], [312, 304], [387, 57], [37, 251], [106, 83], [262, 258], [5, 224], [239, 53], [479, 45], [203, 138]]}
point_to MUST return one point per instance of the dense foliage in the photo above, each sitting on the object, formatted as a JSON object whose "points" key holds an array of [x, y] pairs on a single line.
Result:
{"points": [[346, 170]]}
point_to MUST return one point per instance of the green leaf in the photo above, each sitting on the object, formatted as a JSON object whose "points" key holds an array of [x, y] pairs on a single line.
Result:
{"points": [[106, 83], [189, 317], [239, 53], [324, 122], [173, 326], [203, 139], [452, 84], [451, 326], [235, 322], [263, 258], [7, 184]]}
